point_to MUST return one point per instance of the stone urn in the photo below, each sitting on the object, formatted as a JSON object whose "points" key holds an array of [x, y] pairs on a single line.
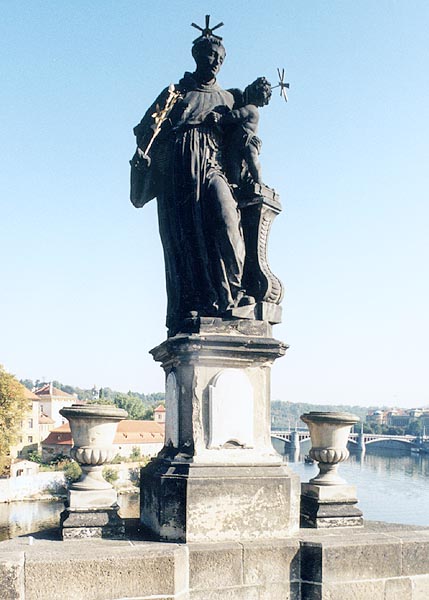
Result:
{"points": [[329, 433], [93, 429], [91, 506]]}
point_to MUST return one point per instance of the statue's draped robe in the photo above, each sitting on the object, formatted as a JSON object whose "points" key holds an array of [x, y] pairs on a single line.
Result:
{"points": [[199, 219]]}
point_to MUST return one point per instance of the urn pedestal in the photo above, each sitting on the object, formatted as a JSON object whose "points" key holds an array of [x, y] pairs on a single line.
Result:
{"points": [[218, 477], [327, 500], [91, 506]]}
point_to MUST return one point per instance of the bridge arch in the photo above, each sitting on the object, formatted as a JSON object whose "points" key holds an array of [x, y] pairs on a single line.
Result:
{"points": [[389, 442]]}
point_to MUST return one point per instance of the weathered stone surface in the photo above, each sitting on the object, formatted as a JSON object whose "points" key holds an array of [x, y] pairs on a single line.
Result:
{"points": [[356, 590], [204, 325], [420, 587], [182, 502], [271, 561], [279, 591], [311, 591], [326, 565], [311, 562], [325, 514], [171, 411], [92, 498], [11, 575], [375, 559], [101, 570], [233, 593], [374, 552], [398, 589], [238, 427], [330, 493], [82, 524], [212, 564], [218, 477], [361, 564], [415, 555]]}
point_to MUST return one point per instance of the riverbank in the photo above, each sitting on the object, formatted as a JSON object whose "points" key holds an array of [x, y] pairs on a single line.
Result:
{"points": [[28, 487], [52, 484]]}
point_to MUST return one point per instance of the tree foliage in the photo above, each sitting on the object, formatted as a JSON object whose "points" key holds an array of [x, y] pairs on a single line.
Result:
{"points": [[134, 406], [137, 404], [287, 414], [72, 471], [13, 406]]}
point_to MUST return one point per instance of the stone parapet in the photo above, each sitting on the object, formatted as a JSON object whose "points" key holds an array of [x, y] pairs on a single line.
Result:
{"points": [[380, 561]]}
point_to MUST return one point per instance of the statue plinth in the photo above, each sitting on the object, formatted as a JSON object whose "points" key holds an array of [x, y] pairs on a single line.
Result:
{"points": [[218, 477]]}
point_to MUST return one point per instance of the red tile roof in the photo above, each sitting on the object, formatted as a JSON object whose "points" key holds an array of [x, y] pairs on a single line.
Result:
{"points": [[128, 432], [160, 408], [44, 419], [46, 391], [29, 394]]}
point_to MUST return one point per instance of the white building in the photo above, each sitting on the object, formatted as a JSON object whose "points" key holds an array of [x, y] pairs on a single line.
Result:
{"points": [[52, 400]]}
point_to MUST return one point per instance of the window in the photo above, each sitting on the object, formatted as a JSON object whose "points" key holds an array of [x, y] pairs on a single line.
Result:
{"points": [[30, 423], [30, 439]]}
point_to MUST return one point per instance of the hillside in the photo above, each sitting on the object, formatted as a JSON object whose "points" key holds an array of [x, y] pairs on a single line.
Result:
{"points": [[285, 415]]}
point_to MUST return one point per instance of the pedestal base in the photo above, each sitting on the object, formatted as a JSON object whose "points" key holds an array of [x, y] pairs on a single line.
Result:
{"points": [[329, 506], [184, 502], [89, 499], [79, 524]]}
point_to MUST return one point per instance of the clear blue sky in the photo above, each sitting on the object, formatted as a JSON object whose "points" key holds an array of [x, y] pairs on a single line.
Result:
{"points": [[82, 277]]}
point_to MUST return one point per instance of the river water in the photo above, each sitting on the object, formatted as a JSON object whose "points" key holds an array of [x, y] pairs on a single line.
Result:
{"points": [[392, 486], [21, 518]]}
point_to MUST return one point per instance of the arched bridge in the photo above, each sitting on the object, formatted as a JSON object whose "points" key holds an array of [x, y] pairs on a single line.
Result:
{"points": [[293, 439]]}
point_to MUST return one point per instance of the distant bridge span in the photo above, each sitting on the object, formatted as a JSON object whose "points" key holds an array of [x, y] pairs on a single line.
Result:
{"points": [[295, 438]]}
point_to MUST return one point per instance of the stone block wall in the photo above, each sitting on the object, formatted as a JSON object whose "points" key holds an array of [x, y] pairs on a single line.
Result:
{"points": [[379, 561]]}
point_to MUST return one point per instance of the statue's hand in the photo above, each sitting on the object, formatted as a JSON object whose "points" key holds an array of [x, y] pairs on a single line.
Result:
{"points": [[140, 160], [213, 118]]}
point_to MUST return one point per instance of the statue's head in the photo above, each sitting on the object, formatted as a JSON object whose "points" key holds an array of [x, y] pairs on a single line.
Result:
{"points": [[209, 54], [258, 92]]}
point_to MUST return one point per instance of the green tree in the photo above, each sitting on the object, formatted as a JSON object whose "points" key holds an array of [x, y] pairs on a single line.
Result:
{"points": [[135, 454], [72, 471], [110, 474], [13, 406], [132, 404], [28, 383], [148, 414], [415, 427]]}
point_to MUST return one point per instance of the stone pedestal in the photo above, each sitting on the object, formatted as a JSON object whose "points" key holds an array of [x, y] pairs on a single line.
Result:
{"points": [[329, 506], [327, 500], [91, 507], [78, 524], [218, 477]]}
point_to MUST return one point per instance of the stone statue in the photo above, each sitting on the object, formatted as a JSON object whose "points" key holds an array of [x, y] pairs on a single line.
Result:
{"points": [[180, 160], [243, 145]]}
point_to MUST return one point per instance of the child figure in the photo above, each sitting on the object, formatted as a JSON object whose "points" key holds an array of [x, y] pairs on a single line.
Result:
{"points": [[244, 146]]}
